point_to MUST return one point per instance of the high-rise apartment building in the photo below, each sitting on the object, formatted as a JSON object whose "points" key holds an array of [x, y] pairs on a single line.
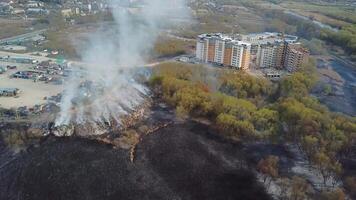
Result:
{"points": [[270, 55], [282, 55], [295, 57], [267, 50], [224, 50]]}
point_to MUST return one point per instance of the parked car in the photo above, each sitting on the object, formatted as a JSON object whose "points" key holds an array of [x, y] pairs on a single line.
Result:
{"points": [[11, 67]]}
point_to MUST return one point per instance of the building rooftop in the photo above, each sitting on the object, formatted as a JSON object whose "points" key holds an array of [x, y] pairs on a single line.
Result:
{"points": [[253, 38], [298, 48], [223, 37]]}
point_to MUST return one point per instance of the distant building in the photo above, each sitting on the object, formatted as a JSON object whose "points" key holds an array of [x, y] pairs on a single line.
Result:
{"points": [[17, 11], [37, 11], [258, 39], [89, 7], [2, 69], [224, 50], [282, 55], [295, 57], [77, 11], [273, 75], [34, 4], [267, 50], [270, 55], [66, 12]]}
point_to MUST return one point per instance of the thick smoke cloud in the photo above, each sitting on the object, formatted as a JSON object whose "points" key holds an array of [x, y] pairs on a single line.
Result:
{"points": [[104, 89]]}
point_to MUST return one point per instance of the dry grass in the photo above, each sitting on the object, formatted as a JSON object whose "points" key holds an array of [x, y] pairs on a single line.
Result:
{"points": [[68, 40], [11, 28], [171, 47], [342, 13], [324, 19]]}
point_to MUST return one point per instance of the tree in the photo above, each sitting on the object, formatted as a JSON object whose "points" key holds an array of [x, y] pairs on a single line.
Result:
{"points": [[192, 100], [233, 127], [240, 108], [170, 47], [242, 85], [348, 128], [266, 122], [337, 194], [284, 183], [298, 85], [350, 185], [300, 188], [269, 168], [174, 70], [327, 167], [327, 89], [310, 145]]}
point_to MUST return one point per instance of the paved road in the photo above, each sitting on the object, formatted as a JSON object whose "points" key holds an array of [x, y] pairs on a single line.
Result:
{"points": [[23, 36]]}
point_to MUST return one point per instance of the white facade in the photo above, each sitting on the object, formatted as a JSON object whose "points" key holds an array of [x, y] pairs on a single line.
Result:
{"points": [[267, 55], [219, 51], [199, 52], [227, 51], [237, 54]]}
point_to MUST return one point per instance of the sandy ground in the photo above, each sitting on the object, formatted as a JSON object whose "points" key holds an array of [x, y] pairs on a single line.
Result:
{"points": [[13, 48], [31, 93], [39, 58]]}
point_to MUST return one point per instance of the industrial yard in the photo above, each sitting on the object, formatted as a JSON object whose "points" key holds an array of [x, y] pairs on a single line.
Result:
{"points": [[31, 93], [31, 90]]}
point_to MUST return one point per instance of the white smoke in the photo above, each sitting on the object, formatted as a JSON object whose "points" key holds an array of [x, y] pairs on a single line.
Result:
{"points": [[104, 89]]}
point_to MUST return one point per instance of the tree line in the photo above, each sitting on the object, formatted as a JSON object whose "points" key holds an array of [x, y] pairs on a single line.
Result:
{"points": [[345, 38], [247, 108]]}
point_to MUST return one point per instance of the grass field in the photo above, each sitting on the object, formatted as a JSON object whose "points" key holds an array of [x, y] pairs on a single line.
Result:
{"points": [[323, 18], [336, 12], [171, 47], [10, 28]]}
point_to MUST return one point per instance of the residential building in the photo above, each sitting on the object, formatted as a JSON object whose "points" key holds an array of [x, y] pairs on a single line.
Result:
{"points": [[295, 57], [223, 50], [67, 12], [267, 50], [258, 39], [34, 4], [17, 11], [37, 11], [270, 55], [200, 49]]}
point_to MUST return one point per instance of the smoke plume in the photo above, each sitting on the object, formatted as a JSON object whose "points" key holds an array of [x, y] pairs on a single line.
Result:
{"points": [[104, 89]]}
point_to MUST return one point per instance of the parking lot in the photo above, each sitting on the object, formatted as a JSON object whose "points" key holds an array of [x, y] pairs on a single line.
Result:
{"points": [[31, 92]]}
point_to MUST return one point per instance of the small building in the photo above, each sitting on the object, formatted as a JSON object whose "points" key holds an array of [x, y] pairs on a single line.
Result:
{"points": [[295, 57], [17, 11], [21, 60], [183, 59], [77, 11], [273, 74], [3, 69], [9, 92], [67, 12], [37, 11], [34, 4]]}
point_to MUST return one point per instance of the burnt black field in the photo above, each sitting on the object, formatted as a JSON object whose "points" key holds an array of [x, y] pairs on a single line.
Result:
{"points": [[183, 161]]}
